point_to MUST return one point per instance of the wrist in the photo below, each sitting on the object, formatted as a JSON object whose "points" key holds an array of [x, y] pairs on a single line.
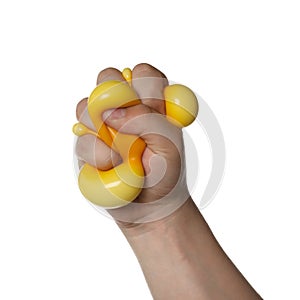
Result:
{"points": [[170, 222]]}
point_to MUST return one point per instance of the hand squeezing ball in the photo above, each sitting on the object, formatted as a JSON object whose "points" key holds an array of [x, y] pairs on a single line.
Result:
{"points": [[122, 184]]}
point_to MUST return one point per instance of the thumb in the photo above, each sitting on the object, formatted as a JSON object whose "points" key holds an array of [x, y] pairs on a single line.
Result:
{"points": [[159, 134]]}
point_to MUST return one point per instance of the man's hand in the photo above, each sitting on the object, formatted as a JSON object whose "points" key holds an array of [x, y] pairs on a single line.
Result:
{"points": [[163, 159]]}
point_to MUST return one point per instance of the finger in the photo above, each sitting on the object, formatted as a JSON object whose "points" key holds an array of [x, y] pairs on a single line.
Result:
{"points": [[95, 152], [83, 115], [81, 110], [141, 120], [109, 74], [149, 83], [81, 106]]}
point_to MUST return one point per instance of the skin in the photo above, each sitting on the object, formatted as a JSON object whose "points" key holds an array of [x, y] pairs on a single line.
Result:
{"points": [[178, 253]]}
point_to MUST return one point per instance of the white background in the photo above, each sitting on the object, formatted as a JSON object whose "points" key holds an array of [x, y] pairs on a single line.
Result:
{"points": [[242, 57]]}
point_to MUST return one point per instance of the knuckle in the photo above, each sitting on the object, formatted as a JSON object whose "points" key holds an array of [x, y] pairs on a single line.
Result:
{"points": [[80, 108], [103, 161], [107, 73], [140, 110], [144, 69], [81, 147]]}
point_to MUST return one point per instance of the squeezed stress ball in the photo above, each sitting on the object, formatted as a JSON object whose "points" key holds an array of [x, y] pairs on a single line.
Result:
{"points": [[122, 184]]}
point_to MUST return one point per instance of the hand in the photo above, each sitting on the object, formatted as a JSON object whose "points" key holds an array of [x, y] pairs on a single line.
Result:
{"points": [[165, 186]]}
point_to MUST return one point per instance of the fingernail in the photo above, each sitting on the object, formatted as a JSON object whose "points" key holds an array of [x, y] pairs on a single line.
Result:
{"points": [[113, 114]]}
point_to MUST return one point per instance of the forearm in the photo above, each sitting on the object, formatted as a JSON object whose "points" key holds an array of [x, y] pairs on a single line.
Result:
{"points": [[181, 259]]}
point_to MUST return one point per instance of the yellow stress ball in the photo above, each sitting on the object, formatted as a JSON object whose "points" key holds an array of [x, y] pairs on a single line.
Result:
{"points": [[122, 184]]}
